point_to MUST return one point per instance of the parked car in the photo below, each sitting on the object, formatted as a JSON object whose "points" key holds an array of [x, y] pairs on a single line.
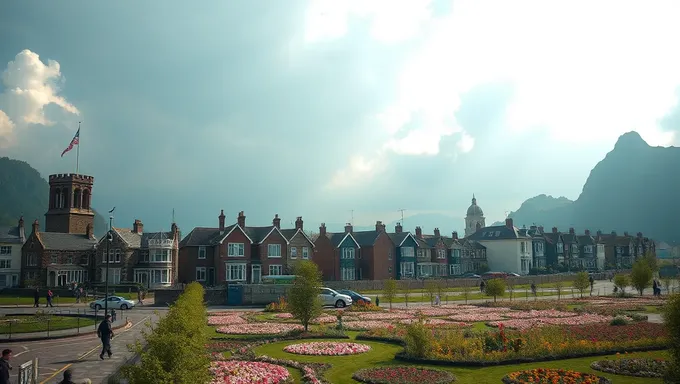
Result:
{"points": [[355, 296], [469, 275], [115, 302], [513, 274], [494, 275], [333, 298]]}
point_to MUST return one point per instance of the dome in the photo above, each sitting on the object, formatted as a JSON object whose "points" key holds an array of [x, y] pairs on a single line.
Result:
{"points": [[474, 209]]}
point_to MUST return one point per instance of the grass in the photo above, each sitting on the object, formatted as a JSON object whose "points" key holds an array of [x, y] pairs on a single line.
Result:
{"points": [[382, 354], [373, 292], [28, 300], [27, 324]]}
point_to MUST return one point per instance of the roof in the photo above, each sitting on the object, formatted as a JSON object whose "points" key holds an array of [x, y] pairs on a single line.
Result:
{"points": [[569, 238], [141, 240], [366, 238], [399, 238], [471, 244], [497, 232], [474, 209], [11, 235], [552, 237], [338, 238], [422, 243], [66, 241], [258, 234], [585, 239]]}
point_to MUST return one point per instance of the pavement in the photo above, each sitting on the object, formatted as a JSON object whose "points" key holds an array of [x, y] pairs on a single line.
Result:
{"points": [[80, 353]]}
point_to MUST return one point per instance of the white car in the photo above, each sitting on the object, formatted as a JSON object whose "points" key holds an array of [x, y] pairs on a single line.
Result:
{"points": [[115, 302], [333, 298]]}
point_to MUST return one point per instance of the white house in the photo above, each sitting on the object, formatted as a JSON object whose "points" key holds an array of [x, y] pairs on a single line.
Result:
{"points": [[11, 240], [507, 249]]}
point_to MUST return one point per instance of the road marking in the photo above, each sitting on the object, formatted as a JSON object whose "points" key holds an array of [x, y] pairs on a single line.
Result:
{"points": [[21, 353], [87, 353]]}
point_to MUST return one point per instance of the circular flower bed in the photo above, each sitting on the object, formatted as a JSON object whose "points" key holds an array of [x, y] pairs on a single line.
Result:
{"points": [[403, 375], [632, 367], [226, 319], [327, 348], [259, 328], [245, 372], [549, 376]]}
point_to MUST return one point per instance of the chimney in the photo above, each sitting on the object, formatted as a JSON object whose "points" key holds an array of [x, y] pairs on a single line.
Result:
{"points": [[454, 235], [587, 232], [508, 223], [613, 233], [88, 231], [138, 227], [378, 226], [398, 228], [322, 229], [437, 233], [639, 234], [22, 231], [277, 221], [571, 231], [298, 223], [533, 227], [419, 232], [599, 233], [221, 217], [348, 228], [540, 229], [175, 231], [241, 219], [36, 226], [625, 233], [554, 230]]}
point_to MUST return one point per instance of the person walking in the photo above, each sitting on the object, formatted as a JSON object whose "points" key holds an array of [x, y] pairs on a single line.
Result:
{"points": [[105, 333], [113, 315], [5, 366], [482, 285], [592, 285], [139, 297], [533, 289], [49, 299], [36, 298]]}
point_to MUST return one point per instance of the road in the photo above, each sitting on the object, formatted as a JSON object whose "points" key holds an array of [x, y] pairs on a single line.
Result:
{"points": [[80, 353]]}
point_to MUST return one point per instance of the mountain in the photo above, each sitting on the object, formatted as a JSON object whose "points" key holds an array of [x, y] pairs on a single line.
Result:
{"points": [[25, 193], [634, 188], [427, 221]]}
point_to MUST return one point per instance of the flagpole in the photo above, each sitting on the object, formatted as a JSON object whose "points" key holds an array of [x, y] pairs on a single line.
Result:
{"points": [[78, 150]]}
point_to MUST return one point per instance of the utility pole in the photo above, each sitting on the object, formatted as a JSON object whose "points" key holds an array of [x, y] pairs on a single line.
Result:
{"points": [[109, 240], [402, 215]]}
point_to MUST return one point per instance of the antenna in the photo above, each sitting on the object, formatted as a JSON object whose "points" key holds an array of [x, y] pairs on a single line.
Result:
{"points": [[352, 213], [402, 215]]}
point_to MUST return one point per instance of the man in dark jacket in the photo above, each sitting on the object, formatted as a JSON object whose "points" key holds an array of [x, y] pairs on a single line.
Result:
{"points": [[5, 367], [36, 298], [105, 333]]}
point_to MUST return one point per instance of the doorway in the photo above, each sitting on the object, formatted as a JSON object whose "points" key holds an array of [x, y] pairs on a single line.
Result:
{"points": [[256, 275], [52, 279]]}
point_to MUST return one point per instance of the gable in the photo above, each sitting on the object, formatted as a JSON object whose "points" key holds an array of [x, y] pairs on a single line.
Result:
{"points": [[304, 235], [409, 241], [274, 230], [348, 241], [235, 228]]}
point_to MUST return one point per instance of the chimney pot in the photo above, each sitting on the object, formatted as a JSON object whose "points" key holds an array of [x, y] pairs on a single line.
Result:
{"points": [[36, 226], [299, 223], [348, 228], [277, 221], [398, 228], [378, 226], [241, 219], [554, 229], [571, 231], [508, 223], [322, 229], [437, 233], [138, 227], [419, 232], [587, 232], [454, 235], [221, 220]]}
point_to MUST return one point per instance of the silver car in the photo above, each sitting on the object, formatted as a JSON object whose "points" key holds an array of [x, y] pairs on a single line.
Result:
{"points": [[115, 302]]}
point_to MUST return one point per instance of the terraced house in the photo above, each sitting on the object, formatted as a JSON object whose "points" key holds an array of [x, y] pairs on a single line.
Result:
{"points": [[337, 254], [439, 251], [300, 245], [11, 240], [405, 252]]}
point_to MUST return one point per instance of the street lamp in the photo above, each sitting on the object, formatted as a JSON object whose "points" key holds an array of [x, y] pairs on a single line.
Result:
{"points": [[109, 240]]}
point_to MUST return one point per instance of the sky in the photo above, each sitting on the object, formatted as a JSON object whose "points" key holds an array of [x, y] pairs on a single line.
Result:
{"points": [[321, 108]]}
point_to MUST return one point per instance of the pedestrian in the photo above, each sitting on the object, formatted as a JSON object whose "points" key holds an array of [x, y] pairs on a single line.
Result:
{"points": [[533, 289], [5, 366], [654, 287], [437, 300], [77, 291], [105, 333], [36, 298], [139, 297], [49, 299], [113, 315], [482, 285]]}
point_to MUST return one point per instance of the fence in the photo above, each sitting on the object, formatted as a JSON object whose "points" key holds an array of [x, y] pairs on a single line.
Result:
{"points": [[28, 372], [53, 323]]}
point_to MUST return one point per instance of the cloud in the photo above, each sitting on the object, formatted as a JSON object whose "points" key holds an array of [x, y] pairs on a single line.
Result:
{"points": [[29, 86]]}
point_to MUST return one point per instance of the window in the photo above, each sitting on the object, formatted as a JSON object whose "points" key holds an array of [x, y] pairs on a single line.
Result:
{"points": [[406, 268], [114, 275], [389, 255], [160, 255], [560, 247], [293, 252], [236, 272], [53, 259], [32, 260], [117, 257], [5, 250], [347, 253], [274, 250], [523, 247], [588, 249], [144, 256], [275, 270], [69, 259], [160, 276], [639, 251], [420, 253], [201, 253], [454, 269], [235, 250], [348, 274], [5, 263], [305, 252], [441, 253], [407, 252], [200, 273]]}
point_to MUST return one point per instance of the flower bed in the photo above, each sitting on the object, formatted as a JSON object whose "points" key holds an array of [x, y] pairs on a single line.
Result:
{"points": [[325, 319], [325, 348], [618, 334], [526, 323], [226, 320], [549, 376], [475, 317], [311, 372], [245, 372], [539, 313], [364, 325], [433, 322], [403, 375], [632, 367], [385, 316], [259, 329], [284, 315]]}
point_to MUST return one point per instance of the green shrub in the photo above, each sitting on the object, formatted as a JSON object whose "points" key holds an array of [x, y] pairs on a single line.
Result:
{"points": [[175, 348], [619, 320], [419, 340], [495, 288], [671, 317]]}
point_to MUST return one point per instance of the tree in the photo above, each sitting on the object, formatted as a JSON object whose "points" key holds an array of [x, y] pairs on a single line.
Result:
{"points": [[303, 298], [483, 268], [466, 290], [641, 275], [431, 289], [582, 282], [495, 288], [406, 290], [652, 261], [621, 281], [671, 317], [558, 288], [390, 290]]}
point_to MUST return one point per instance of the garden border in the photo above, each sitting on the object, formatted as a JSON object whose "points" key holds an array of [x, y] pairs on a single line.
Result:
{"points": [[603, 380], [401, 356], [40, 338], [595, 366]]}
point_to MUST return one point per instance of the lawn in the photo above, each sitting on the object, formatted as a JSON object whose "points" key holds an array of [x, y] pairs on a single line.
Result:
{"points": [[28, 300], [567, 286], [24, 324], [382, 354]]}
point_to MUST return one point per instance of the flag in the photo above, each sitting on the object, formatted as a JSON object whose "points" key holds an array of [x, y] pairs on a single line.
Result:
{"points": [[75, 141]]}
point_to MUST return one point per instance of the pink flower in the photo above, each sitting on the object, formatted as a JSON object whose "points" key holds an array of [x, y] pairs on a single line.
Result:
{"points": [[327, 348], [246, 372]]}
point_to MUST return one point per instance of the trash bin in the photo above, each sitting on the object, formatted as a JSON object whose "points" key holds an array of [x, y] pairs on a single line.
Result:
{"points": [[235, 295]]}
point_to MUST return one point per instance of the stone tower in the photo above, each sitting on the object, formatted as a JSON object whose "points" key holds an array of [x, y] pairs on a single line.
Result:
{"points": [[70, 209], [474, 219]]}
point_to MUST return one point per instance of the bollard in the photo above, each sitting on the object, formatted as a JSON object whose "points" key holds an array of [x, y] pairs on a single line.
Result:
{"points": [[48, 327], [10, 330]]}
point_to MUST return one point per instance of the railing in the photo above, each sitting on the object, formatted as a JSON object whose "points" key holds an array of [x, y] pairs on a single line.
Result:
{"points": [[55, 323]]}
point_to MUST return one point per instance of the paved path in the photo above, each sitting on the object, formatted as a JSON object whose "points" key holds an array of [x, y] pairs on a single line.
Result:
{"points": [[81, 353]]}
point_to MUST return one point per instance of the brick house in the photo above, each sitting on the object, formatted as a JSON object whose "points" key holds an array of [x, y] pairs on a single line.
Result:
{"points": [[439, 253], [135, 256], [336, 254], [405, 253], [300, 246], [554, 248], [269, 253], [376, 261]]}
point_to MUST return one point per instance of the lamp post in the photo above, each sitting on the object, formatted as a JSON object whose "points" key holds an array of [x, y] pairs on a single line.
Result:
{"points": [[109, 240]]}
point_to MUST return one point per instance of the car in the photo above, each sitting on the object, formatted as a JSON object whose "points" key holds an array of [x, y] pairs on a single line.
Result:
{"points": [[494, 275], [330, 297], [513, 274], [469, 275], [115, 302], [355, 296]]}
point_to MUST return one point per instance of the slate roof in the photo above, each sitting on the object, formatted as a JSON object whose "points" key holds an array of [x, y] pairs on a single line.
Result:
{"points": [[422, 243], [586, 240], [397, 238], [471, 244], [551, 238], [66, 241], [569, 238], [257, 234], [366, 238], [137, 240], [336, 238], [496, 232], [203, 236], [11, 235], [289, 233]]}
